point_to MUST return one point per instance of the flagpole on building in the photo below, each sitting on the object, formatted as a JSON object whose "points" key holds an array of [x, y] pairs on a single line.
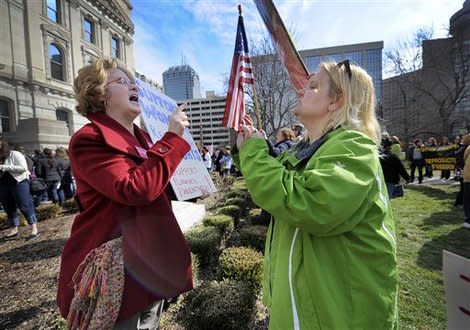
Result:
{"points": [[255, 98]]}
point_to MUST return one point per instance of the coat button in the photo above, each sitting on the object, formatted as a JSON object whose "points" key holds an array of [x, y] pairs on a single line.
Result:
{"points": [[163, 149]]}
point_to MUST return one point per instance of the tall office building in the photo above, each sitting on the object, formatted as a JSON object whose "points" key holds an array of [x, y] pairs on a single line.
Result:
{"points": [[367, 55], [181, 83], [44, 44], [206, 116]]}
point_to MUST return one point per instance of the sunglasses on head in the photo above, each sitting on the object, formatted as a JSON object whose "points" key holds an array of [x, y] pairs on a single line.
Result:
{"points": [[347, 67]]}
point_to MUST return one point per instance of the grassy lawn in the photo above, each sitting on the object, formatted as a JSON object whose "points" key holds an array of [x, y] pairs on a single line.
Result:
{"points": [[427, 222]]}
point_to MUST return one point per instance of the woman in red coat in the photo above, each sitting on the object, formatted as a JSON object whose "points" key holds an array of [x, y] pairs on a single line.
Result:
{"points": [[125, 250]]}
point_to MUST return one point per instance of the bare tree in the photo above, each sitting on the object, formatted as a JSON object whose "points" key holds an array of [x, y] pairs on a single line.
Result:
{"points": [[402, 92], [432, 79]]}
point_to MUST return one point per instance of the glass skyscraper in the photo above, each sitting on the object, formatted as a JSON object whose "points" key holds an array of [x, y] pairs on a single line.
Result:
{"points": [[181, 83], [366, 55]]}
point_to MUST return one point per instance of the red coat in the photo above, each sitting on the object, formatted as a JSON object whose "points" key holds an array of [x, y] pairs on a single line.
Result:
{"points": [[122, 184]]}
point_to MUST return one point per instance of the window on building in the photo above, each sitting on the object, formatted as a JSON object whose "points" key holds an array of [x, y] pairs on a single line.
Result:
{"points": [[115, 47], [57, 62], [89, 30], [4, 117], [53, 10], [62, 115]]}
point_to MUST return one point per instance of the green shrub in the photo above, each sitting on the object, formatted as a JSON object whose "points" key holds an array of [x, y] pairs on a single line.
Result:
{"points": [[204, 242], [70, 205], [43, 212], [253, 236], [239, 185], [227, 305], [195, 264], [47, 211], [241, 202], [231, 210], [222, 222], [257, 217], [242, 264]]}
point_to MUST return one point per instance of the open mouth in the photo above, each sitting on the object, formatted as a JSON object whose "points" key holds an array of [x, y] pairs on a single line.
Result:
{"points": [[134, 98]]}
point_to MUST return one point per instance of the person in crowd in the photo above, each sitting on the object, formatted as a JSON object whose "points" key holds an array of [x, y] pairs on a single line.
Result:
{"points": [[206, 158], [459, 167], [396, 147], [284, 140], [298, 131], [226, 162], [29, 160], [392, 168], [14, 190], [416, 160], [219, 154], [445, 174], [50, 169], [466, 183], [430, 142], [331, 249], [66, 190], [126, 231]]}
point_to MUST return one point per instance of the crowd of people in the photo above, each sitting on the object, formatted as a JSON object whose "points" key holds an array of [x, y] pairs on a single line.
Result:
{"points": [[29, 180]]}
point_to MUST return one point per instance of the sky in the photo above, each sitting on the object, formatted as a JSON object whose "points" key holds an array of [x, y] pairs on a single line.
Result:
{"points": [[201, 33]]}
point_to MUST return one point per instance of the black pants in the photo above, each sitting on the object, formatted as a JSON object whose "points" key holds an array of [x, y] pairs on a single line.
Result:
{"points": [[419, 163]]}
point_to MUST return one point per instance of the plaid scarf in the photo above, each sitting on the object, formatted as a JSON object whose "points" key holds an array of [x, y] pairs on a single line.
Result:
{"points": [[98, 284]]}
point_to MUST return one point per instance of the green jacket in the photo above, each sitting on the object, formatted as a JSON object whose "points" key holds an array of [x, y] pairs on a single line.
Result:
{"points": [[330, 256]]}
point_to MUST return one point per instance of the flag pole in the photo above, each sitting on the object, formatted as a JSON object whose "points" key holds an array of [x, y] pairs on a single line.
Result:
{"points": [[255, 98]]}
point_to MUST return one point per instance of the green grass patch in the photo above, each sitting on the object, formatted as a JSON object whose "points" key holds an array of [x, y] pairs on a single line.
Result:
{"points": [[427, 222]]}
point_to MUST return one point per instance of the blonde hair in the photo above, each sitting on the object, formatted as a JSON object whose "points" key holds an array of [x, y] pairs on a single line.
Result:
{"points": [[466, 139], [357, 91], [90, 85]]}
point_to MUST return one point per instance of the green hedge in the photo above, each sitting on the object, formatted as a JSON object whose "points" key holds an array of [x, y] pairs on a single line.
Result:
{"points": [[253, 236], [233, 211], [222, 222], [238, 201], [43, 212], [242, 264], [204, 242], [227, 305], [70, 205], [239, 185], [258, 218]]}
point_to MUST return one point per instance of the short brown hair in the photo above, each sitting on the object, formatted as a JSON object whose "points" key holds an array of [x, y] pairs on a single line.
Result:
{"points": [[89, 85], [287, 133]]}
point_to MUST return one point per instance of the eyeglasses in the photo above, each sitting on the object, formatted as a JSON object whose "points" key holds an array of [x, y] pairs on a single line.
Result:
{"points": [[347, 67], [121, 81]]}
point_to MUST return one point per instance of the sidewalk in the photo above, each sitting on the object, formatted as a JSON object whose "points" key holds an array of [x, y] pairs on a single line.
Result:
{"points": [[436, 180]]}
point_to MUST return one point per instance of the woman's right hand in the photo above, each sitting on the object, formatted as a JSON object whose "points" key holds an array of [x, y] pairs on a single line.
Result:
{"points": [[178, 121]]}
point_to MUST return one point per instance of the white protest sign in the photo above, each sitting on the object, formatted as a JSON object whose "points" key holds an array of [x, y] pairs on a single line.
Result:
{"points": [[456, 271], [191, 179]]}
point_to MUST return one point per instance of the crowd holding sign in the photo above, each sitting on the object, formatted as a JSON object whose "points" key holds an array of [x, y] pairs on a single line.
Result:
{"points": [[441, 158], [191, 179]]}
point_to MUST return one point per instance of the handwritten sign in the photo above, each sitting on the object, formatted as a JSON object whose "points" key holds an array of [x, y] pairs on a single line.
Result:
{"points": [[456, 271], [191, 179]]}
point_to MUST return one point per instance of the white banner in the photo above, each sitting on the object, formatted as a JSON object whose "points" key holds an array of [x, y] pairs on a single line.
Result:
{"points": [[456, 271], [191, 178]]}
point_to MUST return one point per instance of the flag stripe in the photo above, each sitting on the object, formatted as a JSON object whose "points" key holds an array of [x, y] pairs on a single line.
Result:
{"points": [[240, 76]]}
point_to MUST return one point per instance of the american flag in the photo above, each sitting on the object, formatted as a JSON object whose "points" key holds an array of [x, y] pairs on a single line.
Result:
{"points": [[240, 75]]}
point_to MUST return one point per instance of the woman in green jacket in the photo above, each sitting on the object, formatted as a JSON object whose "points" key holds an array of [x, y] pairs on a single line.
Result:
{"points": [[330, 256]]}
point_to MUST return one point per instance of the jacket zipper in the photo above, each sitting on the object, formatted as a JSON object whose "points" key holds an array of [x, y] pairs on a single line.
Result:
{"points": [[270, 250], [295, 316]]}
